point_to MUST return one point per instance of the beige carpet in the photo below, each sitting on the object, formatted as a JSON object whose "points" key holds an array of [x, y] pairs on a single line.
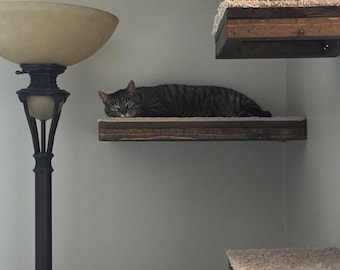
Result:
{"points": [[280, 3], [285, 259]]}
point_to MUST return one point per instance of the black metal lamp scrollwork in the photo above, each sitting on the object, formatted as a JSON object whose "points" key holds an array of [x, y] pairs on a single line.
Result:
{"points": [[45, 38]]}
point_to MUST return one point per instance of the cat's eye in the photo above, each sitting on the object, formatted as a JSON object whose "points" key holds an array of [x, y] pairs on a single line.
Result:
{"points": [[129, 103], [115, 108]]}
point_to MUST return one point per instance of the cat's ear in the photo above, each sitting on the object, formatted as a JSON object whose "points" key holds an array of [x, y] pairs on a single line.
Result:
{"points": [[131, 88], [104, 97]]}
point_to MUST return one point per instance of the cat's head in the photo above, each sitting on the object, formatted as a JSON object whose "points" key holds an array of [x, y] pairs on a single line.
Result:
{"points": [[123, 103]]}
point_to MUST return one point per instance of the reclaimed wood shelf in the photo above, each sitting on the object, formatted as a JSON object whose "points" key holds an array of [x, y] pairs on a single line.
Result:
{"points": [[202, 129], [283, 32]]}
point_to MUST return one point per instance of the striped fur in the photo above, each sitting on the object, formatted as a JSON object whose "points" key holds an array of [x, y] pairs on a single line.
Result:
{"points": [[179, 101]]}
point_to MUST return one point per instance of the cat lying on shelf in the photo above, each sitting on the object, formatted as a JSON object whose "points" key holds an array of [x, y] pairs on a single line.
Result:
{"points": [[174, 100]]}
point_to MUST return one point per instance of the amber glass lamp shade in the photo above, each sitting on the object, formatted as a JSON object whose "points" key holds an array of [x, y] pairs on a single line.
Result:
{"points": [[42, 32]]}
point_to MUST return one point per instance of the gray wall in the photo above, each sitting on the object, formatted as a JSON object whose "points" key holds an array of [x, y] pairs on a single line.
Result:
{"points": [[313, 166], [145, 205]]}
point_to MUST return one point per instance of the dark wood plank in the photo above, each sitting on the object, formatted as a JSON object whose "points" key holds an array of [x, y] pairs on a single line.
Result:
{"points": [[277, 49], [282, 12], [284, 28], [202, 129]]}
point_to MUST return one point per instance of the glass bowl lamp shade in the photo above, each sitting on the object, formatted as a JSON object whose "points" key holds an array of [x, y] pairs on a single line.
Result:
{"points": [[44, 32]]}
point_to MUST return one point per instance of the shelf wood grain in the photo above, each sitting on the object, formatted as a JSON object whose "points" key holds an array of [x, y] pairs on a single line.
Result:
{"points": [[203, 129]]}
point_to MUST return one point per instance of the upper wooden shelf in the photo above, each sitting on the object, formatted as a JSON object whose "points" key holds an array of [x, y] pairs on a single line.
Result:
{"points": [[279, 33], [202, 129]]}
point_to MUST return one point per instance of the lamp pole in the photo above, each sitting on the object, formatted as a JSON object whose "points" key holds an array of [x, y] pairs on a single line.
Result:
{"points": [[53, 44], [43, 84]]}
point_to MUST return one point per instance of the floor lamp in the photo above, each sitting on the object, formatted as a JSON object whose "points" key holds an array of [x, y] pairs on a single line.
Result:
{"points": [[45, 38]]}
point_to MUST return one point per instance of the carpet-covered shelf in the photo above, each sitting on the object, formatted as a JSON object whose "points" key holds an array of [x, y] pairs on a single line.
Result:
{"points": [[279, 32], [284, 259], [203, 129]]}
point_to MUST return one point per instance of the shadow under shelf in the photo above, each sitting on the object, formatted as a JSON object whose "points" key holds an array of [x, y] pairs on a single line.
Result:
{"points": [[276, 128]]}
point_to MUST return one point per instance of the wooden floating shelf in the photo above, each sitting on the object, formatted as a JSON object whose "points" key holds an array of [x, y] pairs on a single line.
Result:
{"points": [[203, 129], [284, 32]]}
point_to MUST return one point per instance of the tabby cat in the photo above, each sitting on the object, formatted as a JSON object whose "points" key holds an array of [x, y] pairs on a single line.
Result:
{"points": [[179, 101]]}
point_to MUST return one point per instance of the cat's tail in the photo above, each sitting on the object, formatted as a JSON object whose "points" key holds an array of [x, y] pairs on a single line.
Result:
{"points": [[254, 110], [265, 114]]}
